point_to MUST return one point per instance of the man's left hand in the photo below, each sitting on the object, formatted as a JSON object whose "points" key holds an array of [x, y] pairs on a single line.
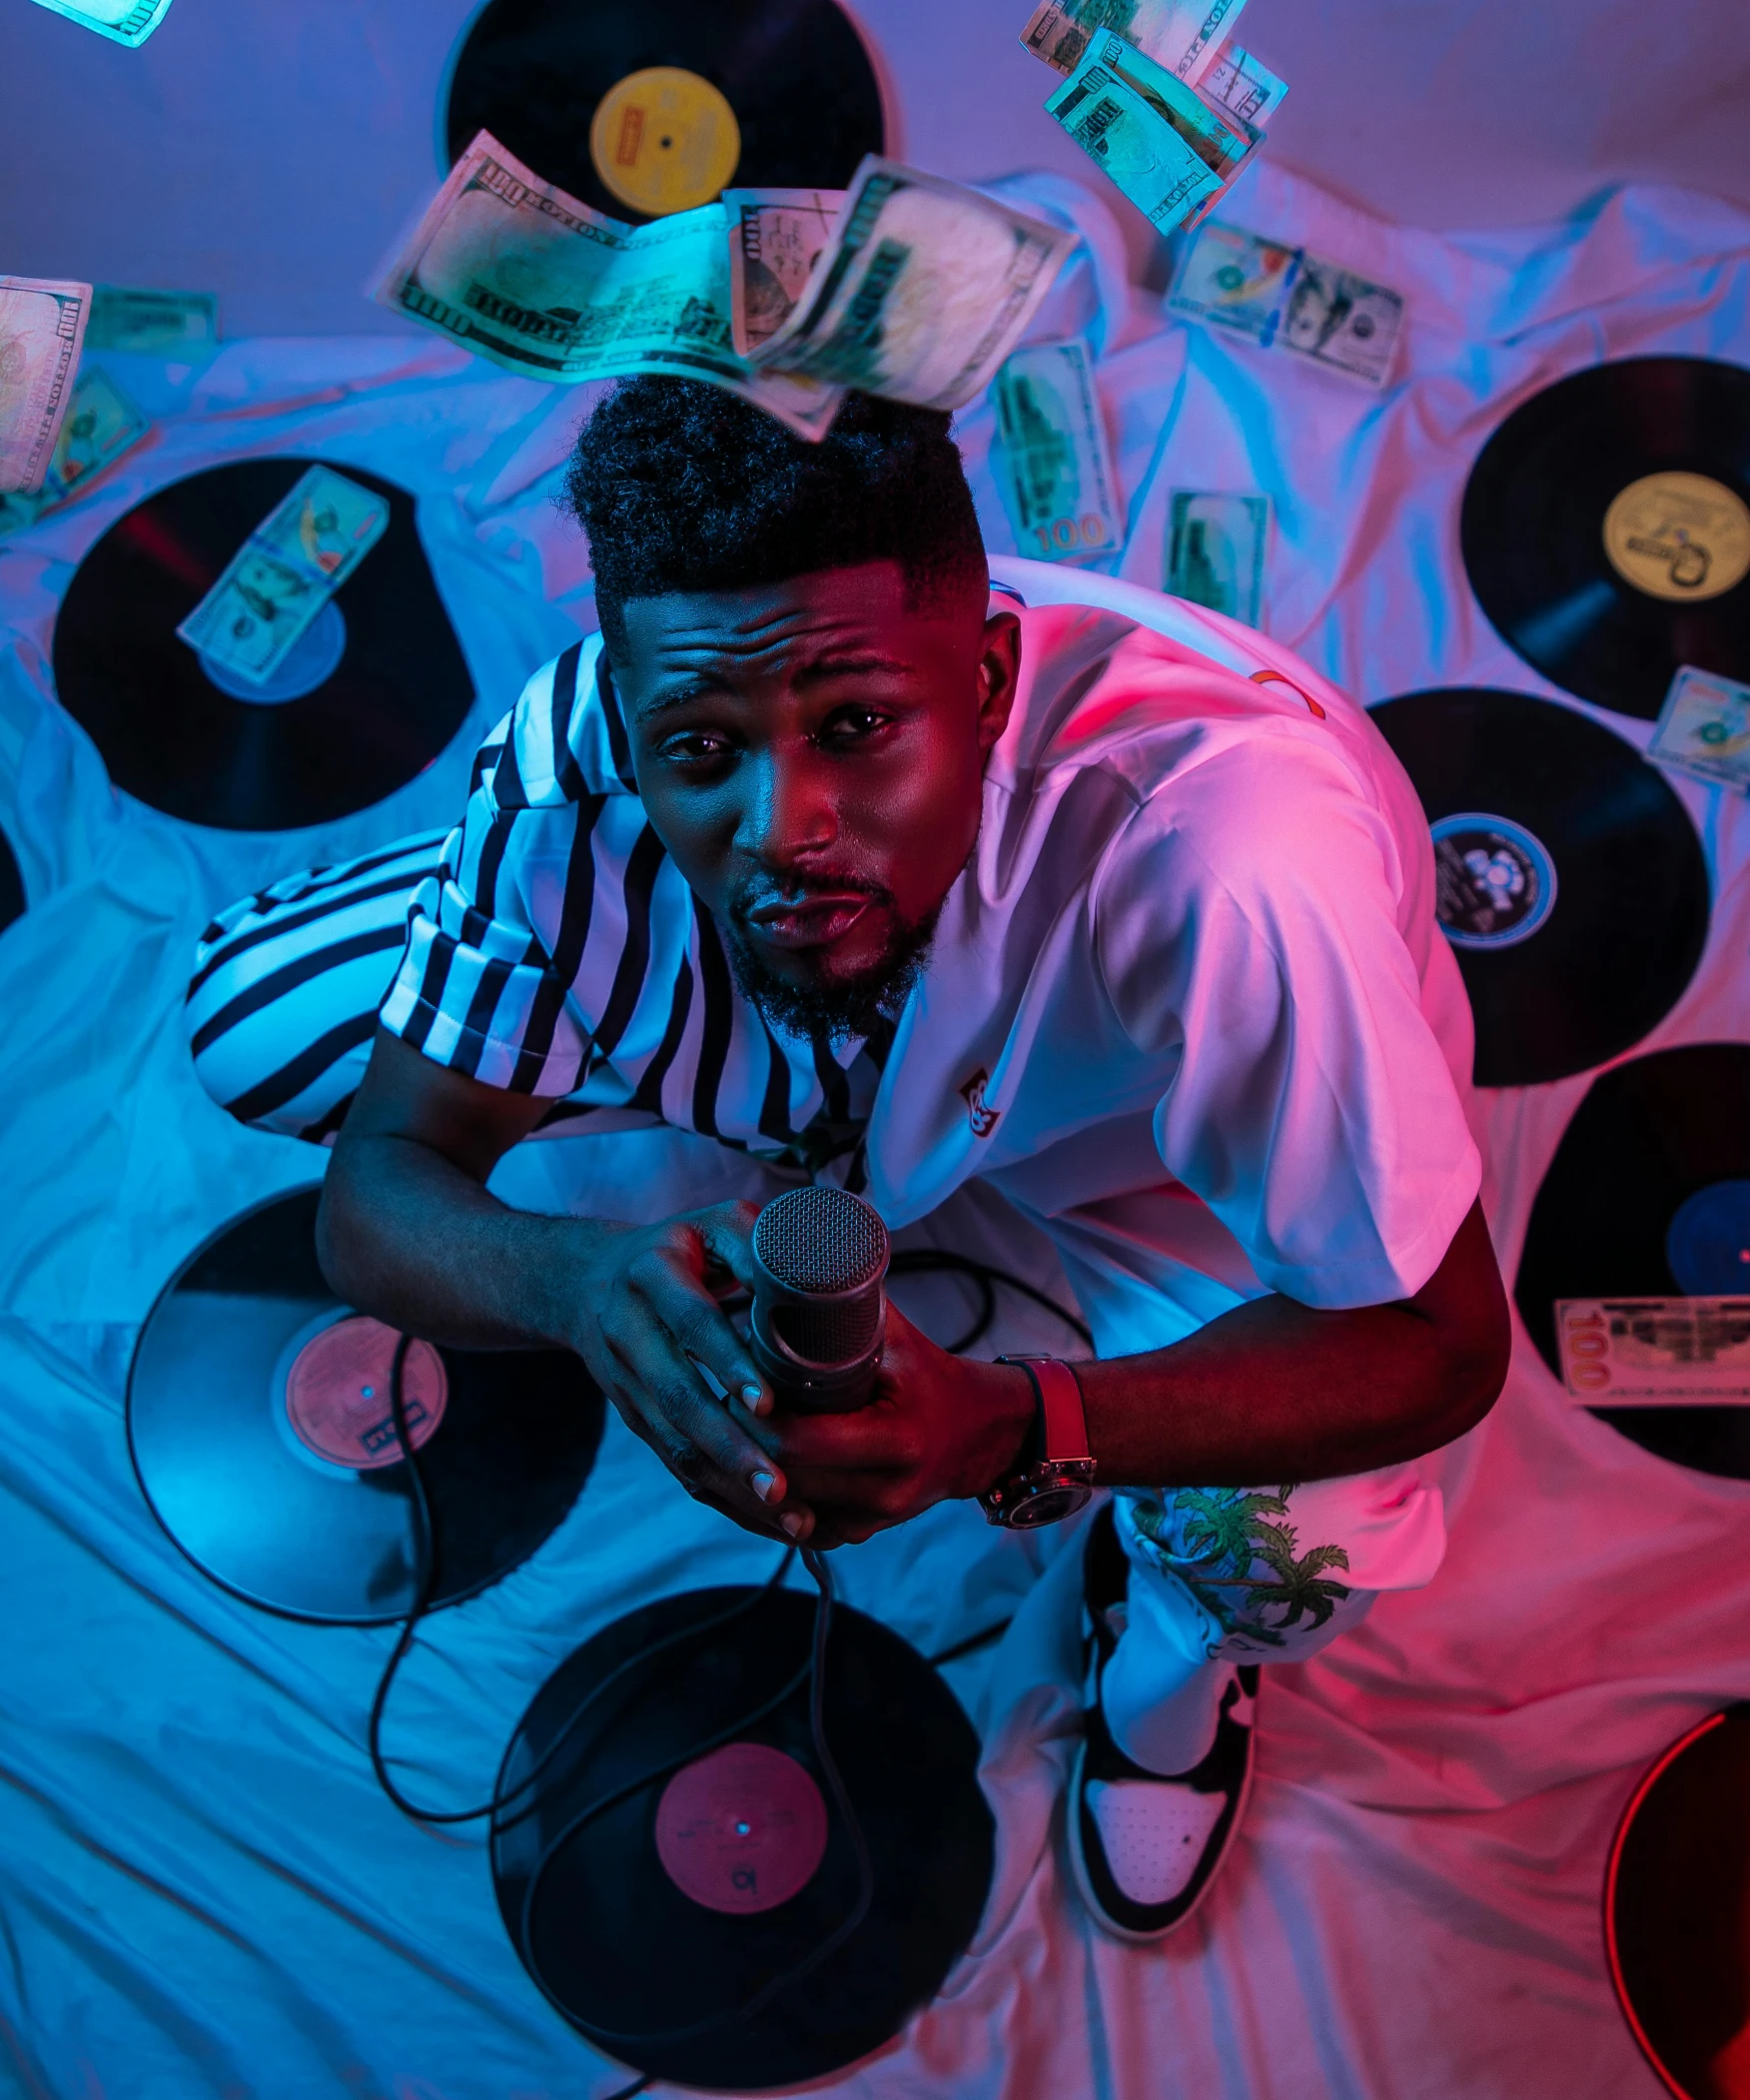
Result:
{"points": [[937, 1427]]}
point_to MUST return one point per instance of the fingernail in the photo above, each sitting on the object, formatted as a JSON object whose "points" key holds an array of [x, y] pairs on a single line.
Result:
{"points": [[761, 1483], [753, 1395], [791, 1524]]}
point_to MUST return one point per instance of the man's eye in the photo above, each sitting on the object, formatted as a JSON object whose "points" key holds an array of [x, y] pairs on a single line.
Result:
{"points": [[852, 724], [694, 748]]}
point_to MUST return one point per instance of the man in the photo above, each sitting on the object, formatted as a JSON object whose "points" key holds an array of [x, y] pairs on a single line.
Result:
{"points": [[824, 855]]}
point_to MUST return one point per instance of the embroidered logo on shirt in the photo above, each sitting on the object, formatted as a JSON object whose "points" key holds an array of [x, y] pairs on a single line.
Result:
{"points": [[979, 1114]]}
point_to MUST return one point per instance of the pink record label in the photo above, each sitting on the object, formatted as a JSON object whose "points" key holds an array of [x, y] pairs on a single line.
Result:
{"points": [[337, 1394], [742, 1829]]}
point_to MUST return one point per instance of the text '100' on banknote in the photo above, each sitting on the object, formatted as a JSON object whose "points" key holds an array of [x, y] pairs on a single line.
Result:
{"points": [[1052, 459], [1655, 1352]]}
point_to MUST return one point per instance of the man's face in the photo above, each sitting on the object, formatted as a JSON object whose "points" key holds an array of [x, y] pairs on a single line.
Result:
{"points": [[811, 753]]}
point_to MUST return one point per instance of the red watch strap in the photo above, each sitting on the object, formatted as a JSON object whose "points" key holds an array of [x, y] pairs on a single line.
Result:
{"points": [[1060, 1398]]}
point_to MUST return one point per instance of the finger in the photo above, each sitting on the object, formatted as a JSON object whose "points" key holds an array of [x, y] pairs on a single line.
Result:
{"points": [[726, 1231], [692, 1432], [681, 1305]]}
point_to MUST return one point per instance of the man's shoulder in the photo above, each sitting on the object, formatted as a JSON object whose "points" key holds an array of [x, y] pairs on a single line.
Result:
{"points": [[564, 742]]}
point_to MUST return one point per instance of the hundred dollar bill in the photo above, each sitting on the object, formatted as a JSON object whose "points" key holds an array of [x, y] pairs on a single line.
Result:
{"points": [[42, 326], [1243, 86], [1123, 132], [284, 573], [127, 22], [1185, 36], [1054, 464], [1704, 728], [1236, 280], [517, 270], [100, 425], [1339, 318], [1655, 1352], [775, 239], [1215, 552], [131, 317], [922, 293]]}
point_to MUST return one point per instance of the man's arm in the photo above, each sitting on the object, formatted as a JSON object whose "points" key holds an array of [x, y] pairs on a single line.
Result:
{"points": [[407, 1232], [1273, 1390]]}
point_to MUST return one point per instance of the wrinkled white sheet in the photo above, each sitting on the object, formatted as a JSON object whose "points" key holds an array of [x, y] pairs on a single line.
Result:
{"points": [[201, 1891]]}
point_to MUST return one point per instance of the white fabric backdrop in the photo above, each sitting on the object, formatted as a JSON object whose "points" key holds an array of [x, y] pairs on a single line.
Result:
{"points": [[200, 1889]]}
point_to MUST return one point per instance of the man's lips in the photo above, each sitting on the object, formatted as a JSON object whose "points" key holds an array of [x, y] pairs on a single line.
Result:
{"points": [[816, 919]]}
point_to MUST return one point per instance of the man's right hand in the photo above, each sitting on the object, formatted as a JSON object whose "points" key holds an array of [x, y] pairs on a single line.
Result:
{"points": [[649, 1322]]}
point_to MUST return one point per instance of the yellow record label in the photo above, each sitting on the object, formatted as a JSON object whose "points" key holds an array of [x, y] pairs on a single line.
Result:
{"points": [[664, 140], [1678, 536]]}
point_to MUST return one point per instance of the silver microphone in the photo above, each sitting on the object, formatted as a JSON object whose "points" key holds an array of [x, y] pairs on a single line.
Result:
{"points": [[819, 1311]]}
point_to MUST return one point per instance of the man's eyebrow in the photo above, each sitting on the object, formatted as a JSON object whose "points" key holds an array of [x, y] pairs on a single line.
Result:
{"points": [[684, 688]]}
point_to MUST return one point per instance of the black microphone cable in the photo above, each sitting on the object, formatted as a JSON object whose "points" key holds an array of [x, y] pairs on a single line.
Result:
{"points": [[812, 1673]]}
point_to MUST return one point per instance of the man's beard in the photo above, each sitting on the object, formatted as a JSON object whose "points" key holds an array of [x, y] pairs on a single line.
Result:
{"points": [[850, 1008]]}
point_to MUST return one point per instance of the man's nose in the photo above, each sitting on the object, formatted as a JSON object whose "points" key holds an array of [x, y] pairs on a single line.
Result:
{"points": [[791, 812]]}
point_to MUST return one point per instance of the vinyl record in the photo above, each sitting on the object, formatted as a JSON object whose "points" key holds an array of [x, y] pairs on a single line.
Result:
{"points": [[1648, 1196], [259, 1424], [11, 884], [647, 110], [1571, 883], [1677, 1910], [652, 1924], [1607, 528], [369, 699]]}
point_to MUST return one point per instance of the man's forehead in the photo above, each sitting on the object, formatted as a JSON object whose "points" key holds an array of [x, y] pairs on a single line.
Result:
{"points": [[808, 614]]}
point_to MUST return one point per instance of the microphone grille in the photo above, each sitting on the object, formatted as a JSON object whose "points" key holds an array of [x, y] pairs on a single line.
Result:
{"points": [[821, 1239]]}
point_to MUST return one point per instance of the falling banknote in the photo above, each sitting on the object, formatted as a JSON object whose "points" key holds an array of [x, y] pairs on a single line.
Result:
{"points": [[127, 22], [775, 239], [1337, 317], [1655, 1352], [1704, 728], [133, 317], [285, 573], [1215, 552], [923, 291], [1243, 86], [42, 326], [1185, 36], [100, 425], [1053, 462], [514, 269], [1165, 148], [1236, 280]]}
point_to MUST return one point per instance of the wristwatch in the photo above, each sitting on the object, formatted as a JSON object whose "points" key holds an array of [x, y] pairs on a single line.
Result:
{"points": [[1056, 1477]]}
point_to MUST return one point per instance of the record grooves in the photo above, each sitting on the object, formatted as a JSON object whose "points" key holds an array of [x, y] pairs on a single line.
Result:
{"points": [[1570, 880], [1606, 528], [1648, 1196], [651, 1924], [392, 684], [276, 1469], [795, 75]]}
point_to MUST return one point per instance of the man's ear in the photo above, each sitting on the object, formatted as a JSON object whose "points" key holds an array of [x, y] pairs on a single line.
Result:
{"points": [[999, 673]]}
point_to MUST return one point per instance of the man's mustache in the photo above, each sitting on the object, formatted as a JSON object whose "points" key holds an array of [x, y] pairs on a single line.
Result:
{"points": [[792, 894]]}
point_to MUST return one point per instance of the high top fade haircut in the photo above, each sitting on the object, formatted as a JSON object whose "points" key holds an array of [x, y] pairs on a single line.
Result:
{"points": [[682, 487]]}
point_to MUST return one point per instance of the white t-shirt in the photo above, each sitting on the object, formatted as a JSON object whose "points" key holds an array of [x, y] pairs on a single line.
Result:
{"points": [[1187, 1006]]}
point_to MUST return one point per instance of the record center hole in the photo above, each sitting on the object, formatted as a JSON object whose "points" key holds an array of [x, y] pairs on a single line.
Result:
{"points": [[314, 658]]}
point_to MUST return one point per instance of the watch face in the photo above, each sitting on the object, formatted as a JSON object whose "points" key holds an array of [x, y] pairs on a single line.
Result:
{"points": [[1049, 1506]]}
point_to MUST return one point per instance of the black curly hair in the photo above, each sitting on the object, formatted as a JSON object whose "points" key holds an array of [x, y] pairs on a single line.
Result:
{"points": [[683, 486]]}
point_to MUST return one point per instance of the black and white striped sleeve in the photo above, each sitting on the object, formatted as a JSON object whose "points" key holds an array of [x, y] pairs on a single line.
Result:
{"points": [[482, 988]]}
